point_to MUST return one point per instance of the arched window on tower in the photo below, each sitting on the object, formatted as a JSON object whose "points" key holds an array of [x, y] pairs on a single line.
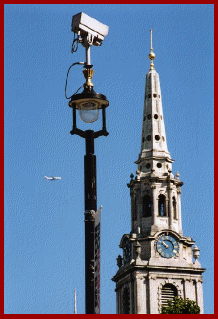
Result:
{"points": [[168, 292], [126, 301], [162, 205], [174, 208], [147, 206]]}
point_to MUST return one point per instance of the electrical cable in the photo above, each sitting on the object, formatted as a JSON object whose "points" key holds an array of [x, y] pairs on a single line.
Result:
{"points": [[80, 63], [75, 46], [77, 90]]}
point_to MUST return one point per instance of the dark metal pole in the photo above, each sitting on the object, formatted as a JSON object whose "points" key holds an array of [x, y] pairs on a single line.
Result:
{"points": [[90, 209]]}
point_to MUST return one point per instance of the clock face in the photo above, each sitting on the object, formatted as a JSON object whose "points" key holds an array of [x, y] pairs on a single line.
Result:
{"points": [[167, 246], [126, 252]]}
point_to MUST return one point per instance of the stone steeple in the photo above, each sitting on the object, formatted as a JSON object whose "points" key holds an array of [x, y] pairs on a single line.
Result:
{"points": [[155, 192], [154, 156], [157, 262]]}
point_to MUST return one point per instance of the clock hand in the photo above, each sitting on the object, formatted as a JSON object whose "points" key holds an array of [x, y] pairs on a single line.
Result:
{"points": [[166, 246]]}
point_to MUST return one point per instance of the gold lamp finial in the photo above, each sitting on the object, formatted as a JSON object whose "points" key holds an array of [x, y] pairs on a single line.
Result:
{"points": [[88, 74], [151, 54]]}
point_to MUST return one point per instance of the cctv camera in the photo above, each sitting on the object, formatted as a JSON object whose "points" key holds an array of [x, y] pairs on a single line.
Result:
{"points": [[82, 24]]}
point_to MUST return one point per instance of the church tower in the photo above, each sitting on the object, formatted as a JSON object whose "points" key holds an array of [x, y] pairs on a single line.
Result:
{"points": [[158, 261]]}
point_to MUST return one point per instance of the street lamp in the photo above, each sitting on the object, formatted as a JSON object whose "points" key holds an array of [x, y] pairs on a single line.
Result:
{"points": [[89, 104]]}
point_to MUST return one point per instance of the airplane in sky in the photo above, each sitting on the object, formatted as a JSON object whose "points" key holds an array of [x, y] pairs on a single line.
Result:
{"points": [[52, 178]]}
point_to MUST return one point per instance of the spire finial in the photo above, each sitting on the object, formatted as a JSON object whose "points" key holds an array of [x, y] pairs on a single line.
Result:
{"points": [[151, 54], [151, 40]]}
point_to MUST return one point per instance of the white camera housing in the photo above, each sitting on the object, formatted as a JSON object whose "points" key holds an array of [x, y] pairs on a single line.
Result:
{"points": [[82, 24]]}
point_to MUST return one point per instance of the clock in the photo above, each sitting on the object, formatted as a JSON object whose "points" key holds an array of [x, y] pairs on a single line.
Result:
{"points": [[126, 252], [167, 246]]}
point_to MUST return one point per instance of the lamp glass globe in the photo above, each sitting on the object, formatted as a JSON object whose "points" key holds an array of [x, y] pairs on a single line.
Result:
{"points": [[88, 111]]}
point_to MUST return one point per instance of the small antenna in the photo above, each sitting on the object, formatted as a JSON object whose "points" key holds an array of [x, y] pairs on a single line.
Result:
{"points": [[75, 305]]}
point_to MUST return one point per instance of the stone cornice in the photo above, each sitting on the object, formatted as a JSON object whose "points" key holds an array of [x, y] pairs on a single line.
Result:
{"points": [[169, 270], [174, 269]]}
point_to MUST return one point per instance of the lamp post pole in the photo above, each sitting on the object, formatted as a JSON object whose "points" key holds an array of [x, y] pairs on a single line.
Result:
{"points": [[90, 209], [92, 292]]}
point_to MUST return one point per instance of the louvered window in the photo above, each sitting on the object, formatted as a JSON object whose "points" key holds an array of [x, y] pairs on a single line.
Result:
{"points": [[168, 293]]}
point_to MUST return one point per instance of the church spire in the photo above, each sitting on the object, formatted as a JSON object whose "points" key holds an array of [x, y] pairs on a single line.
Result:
{"points": [[154, 156]]}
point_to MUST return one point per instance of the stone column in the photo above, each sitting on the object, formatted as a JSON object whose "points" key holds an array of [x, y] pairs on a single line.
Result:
{"points": [[189, 289], [179, 209], [170, 208], [132, 196], [167, 207], [120, 301], [141, 296], [155, 204], [183, 296], [136, 294], [132, 294], [117, 300], [199, 295], [153, 295]]}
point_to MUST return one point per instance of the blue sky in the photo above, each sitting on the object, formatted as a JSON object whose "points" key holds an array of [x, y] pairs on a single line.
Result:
{"points": [[44, 227]]}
